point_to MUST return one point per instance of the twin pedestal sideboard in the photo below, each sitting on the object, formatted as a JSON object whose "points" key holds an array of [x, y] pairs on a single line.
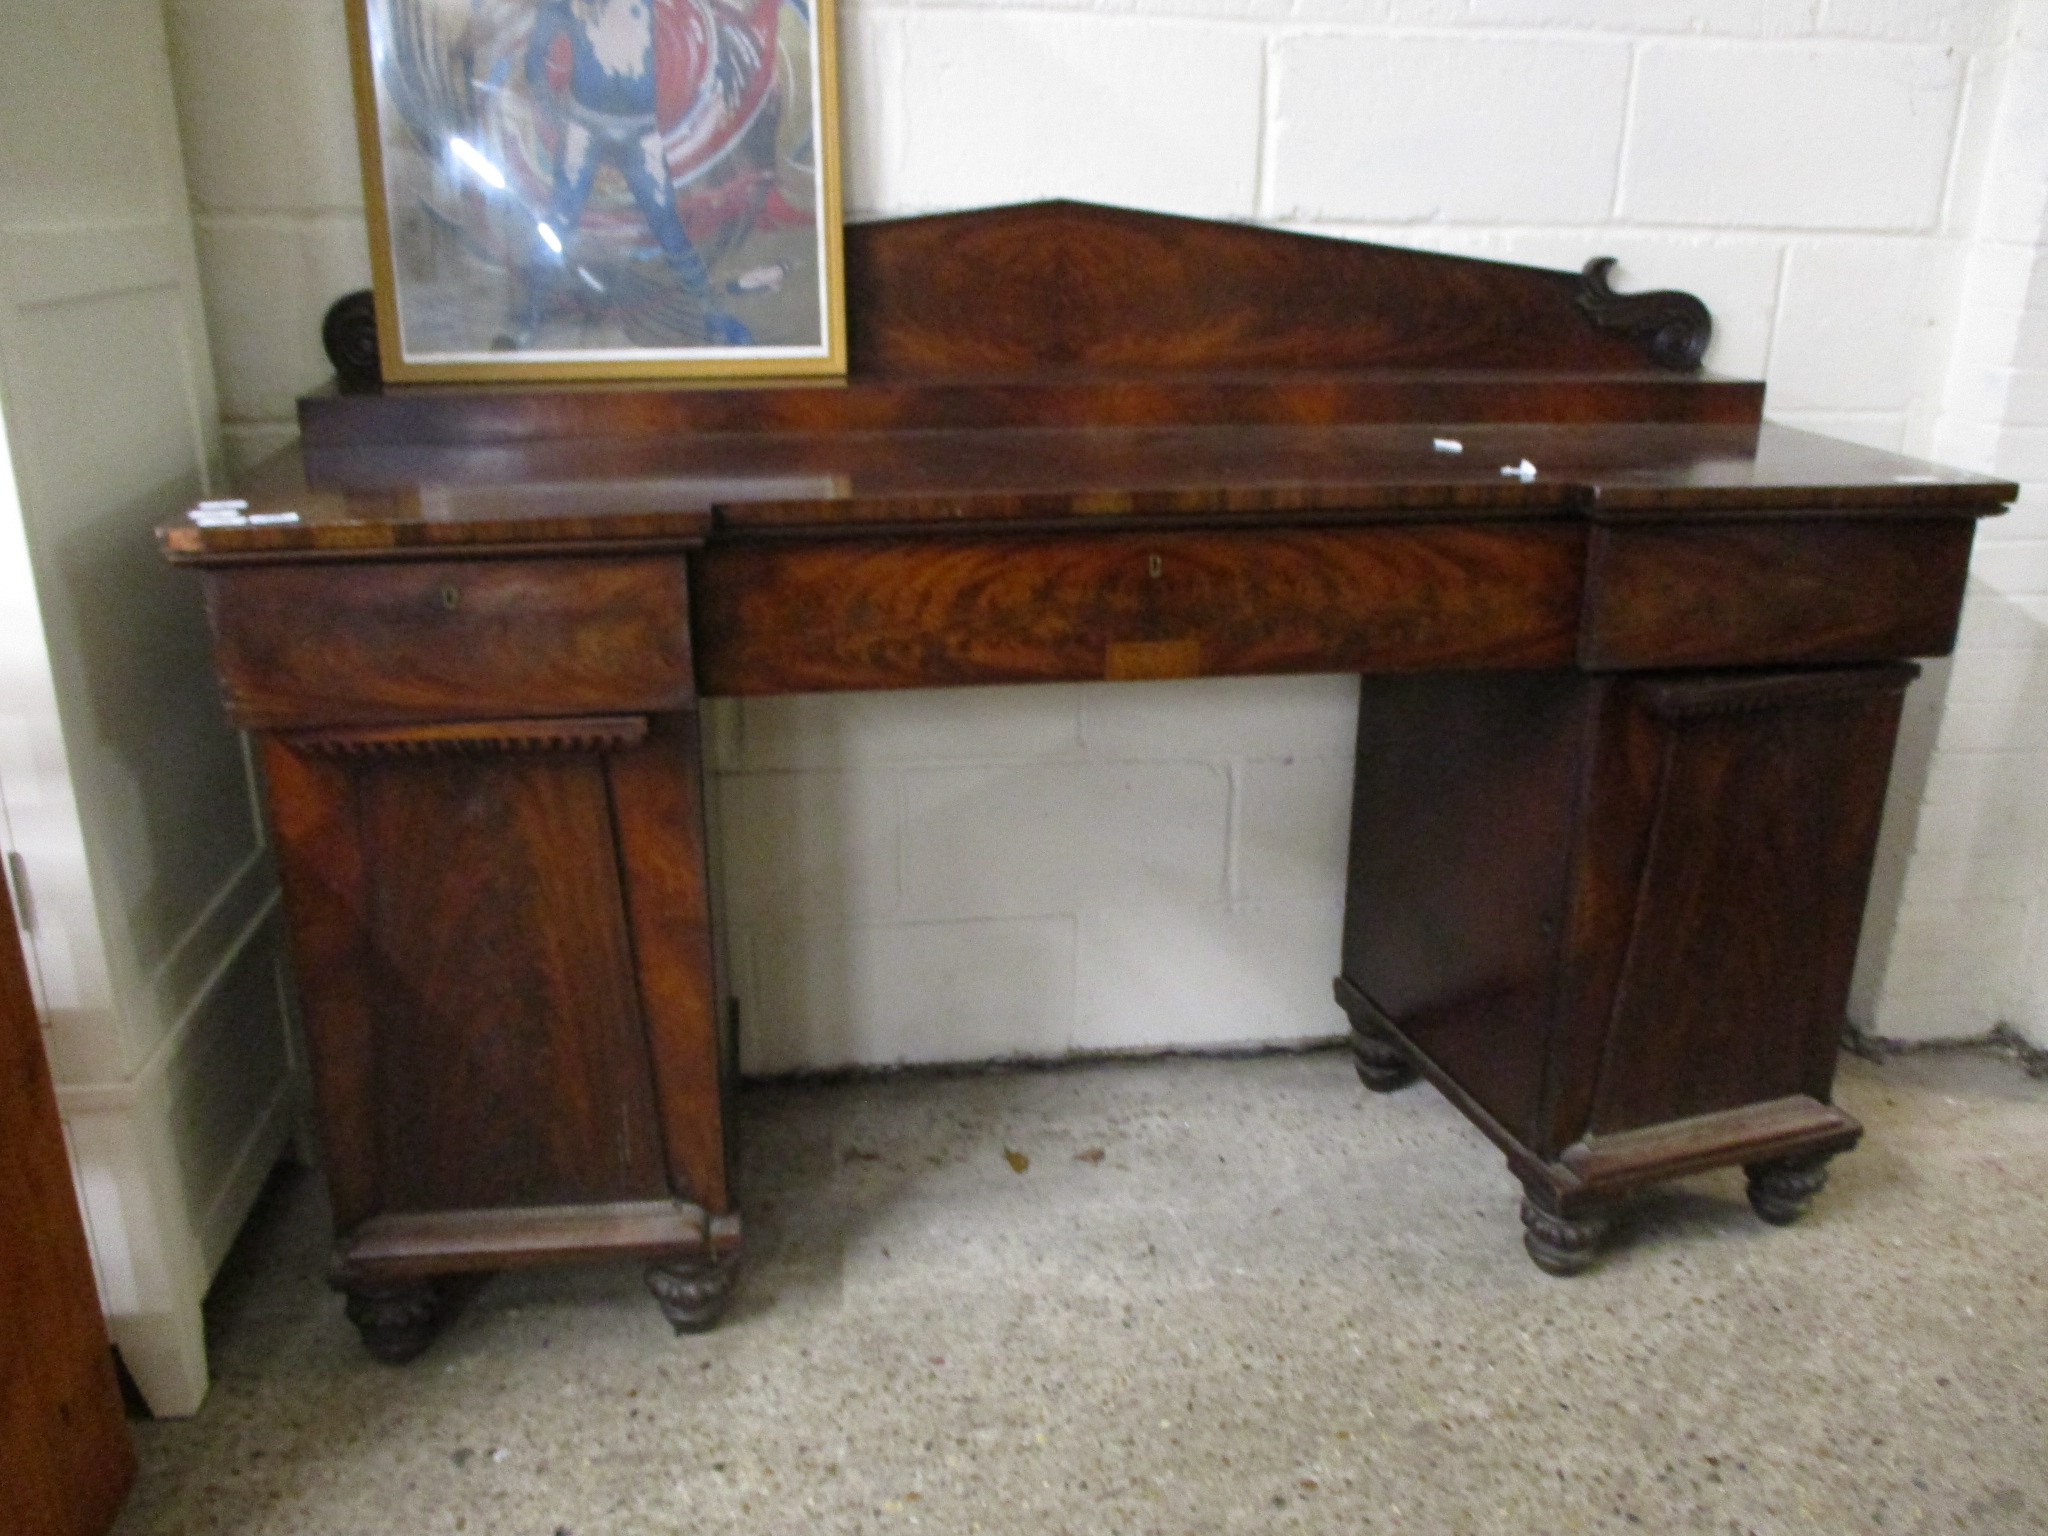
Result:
{"points": [[1631, 663]]}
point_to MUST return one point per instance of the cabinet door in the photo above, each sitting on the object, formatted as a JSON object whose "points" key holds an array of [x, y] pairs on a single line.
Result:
{"points": [[500, 935], [1721, 891], [1604, 907]]}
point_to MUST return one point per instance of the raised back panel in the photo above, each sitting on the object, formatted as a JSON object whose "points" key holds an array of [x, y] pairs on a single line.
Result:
{"points": [[1069, 314], [1063, 285]]}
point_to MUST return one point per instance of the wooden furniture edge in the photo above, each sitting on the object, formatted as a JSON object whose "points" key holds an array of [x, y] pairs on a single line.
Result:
{"points": [[410, 1245], [1137, 510], [1794, 1126], [587, 733], [1598, 1169], [456, 415]]}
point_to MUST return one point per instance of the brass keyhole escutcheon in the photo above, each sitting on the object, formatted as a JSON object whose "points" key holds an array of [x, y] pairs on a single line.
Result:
{"points": [[1152, 566], [451, 597]]}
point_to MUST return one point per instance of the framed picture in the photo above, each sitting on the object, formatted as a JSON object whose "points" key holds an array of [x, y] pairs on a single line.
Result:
{"points": [[564, 189]]}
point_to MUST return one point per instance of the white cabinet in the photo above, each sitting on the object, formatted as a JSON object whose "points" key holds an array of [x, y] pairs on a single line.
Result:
{"points": [[150, 922]]}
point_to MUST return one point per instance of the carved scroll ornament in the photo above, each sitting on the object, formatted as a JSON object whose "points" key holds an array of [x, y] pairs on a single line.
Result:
{"points": [[1674, 327], [348, 333]]}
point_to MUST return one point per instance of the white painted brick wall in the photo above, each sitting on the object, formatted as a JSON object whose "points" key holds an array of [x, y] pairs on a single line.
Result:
{"points": [[1856, 187], [832, 730], [1220, 719], [264, 139], [811, 847], [825, 995], [1970, 949], [1916, 21], [265, 117], [268, 280], [1189, 974], [1813, 136], [1050, 94], [1827, 355], [1292, 823], [1366, 127], [1024, 839]]}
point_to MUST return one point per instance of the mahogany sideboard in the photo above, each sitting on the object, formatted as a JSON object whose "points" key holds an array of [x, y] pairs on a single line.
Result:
{"points": [[1631, 663]]}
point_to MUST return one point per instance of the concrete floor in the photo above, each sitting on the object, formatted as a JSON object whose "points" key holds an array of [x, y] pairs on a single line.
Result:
{"points": [[1274, 1303]]}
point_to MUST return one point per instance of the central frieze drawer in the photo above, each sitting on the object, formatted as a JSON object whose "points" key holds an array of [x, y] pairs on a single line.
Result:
{"points": [[880, 613], [303, 645]]}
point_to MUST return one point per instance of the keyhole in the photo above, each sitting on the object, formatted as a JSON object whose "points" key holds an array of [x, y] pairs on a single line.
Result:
{"points": [[1152, 566], [450, 597]]}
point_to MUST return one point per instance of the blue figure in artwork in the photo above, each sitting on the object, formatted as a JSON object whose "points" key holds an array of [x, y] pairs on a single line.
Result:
{"points": [[608, 111]]}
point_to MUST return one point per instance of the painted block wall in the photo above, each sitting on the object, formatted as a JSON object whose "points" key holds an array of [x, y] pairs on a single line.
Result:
{"points": [[1847, 183], [1970, 948]]}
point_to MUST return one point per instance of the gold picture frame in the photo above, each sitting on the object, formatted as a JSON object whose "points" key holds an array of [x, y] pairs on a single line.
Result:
{"points": [[601, 189]]}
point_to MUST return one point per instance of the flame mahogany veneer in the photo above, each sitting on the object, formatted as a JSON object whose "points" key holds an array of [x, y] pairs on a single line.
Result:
{"points": [[1625, 719]]}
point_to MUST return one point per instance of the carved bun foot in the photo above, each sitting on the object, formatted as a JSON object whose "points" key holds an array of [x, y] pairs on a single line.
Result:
{"points": [[693, 1293], [398, 1319], [1382, 1065], [1780, 1192], [1561, 1245]]}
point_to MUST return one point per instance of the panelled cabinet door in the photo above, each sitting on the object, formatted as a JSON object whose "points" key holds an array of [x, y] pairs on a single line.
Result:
{"points": [[1618, 915], [1759, 797], [506, 960]]}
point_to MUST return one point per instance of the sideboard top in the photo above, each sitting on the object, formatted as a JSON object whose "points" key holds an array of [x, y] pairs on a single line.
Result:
{"points": [[683, 490], [1038, 364]]}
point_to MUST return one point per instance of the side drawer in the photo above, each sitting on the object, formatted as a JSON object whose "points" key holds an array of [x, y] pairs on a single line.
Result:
{"points": [[1773, 592], [303, 645]]}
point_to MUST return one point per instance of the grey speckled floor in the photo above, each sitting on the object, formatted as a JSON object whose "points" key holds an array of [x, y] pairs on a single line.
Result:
{"points": [[1274, 1304]]}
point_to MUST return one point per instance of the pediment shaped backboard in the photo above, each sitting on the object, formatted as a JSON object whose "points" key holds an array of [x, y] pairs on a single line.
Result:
{"points": [[1077, 286]]}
